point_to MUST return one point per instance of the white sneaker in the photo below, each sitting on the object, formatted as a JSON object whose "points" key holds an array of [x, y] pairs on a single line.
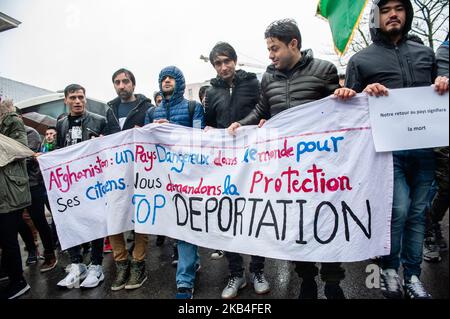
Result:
{"points": [[94, 277], [77, 272], [390, 284], [414, 289], [217, 254], [260, 283], [233, 286]]}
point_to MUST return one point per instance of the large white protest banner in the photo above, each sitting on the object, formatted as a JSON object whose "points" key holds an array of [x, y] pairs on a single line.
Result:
{"points": [[307, 186], [411, 118]]}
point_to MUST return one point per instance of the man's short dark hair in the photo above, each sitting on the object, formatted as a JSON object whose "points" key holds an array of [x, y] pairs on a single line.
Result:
{"points": [[156, 94], [202, 92], [284, 30], [222, 48], [73, 88], [129, 74], [51, 128]]}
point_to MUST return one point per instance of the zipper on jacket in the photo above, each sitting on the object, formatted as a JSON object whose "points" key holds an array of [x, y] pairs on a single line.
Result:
{"points": [[114, 114], [133, 111], [402, 67], [167, 111], [288, 95], [230, 105]]}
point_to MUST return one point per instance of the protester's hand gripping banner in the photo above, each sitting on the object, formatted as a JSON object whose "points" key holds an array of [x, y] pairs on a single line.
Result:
{"points": [[307, 186]]}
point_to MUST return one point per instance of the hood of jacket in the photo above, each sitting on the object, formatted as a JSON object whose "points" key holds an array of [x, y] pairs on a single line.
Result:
{"points": [[375, 32], [240, 76], [180, 84]]}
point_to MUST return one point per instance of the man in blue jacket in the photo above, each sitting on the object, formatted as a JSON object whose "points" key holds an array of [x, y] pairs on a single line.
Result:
{"points": [[175, 109]]}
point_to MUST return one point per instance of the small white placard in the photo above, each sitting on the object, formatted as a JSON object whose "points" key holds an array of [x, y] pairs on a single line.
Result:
{"points": [[411, 118]]}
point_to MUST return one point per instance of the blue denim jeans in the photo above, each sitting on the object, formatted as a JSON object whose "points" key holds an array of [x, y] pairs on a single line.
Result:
{"points": [[413, 176], [187, 260]]}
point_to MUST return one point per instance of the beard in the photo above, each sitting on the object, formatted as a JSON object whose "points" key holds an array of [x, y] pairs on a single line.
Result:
{"points": [[125, 96], [168, 92], [395, 32]]}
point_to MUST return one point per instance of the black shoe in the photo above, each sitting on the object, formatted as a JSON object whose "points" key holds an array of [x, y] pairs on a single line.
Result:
{"points": [[440, 241], [160, 240], [185, 293], [15, 290], [308, 290], [334, 291], [3, 275], [32, 257]]}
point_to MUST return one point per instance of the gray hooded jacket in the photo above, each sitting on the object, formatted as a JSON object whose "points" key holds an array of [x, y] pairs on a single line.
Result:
{"points": [[407, 64]]}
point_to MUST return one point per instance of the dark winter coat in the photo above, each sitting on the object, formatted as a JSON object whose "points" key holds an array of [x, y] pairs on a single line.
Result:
{"points": [[442, 59], [310, 80], [136, 117], [34, 143], [225, 105], [407, 64], [91, 125], [14, 186]]}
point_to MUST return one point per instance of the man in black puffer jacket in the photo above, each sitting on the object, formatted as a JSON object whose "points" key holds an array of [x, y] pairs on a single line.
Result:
{"points": [[296, 78], [231, 97]]}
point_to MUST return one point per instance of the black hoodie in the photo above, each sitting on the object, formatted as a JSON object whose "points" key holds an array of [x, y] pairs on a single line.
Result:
{"points": [[407, 64], [225, 105]]}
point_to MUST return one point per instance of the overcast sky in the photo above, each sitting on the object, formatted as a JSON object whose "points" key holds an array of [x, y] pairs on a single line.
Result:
{"points": [[84, 41]]}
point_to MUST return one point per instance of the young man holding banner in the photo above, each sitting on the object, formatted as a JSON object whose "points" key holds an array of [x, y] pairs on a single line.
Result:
{"points": [[128, 110], [296, 78], [175, 109], [392, 61], [231, 97], [79, 126]]}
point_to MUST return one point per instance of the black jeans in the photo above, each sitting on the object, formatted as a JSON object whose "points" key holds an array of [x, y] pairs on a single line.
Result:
{"points": [[235, 264], [96, 253], [52, 226], [440, 201], [11, 258], [37, 214], [26, 234], [329, 272]]}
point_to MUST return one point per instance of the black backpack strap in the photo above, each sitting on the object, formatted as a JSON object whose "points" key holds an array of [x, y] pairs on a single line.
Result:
{"points": [[192, 105], [149, 115]]}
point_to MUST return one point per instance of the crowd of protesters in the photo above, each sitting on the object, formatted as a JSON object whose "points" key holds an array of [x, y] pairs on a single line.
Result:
{"points": [[237, 98]]}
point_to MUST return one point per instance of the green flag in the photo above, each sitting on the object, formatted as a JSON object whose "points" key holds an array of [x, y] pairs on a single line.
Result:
{"points": [[343, 16]]}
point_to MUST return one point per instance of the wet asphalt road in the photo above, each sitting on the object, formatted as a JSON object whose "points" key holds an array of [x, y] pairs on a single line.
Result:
{"points": [[212, 278]]}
